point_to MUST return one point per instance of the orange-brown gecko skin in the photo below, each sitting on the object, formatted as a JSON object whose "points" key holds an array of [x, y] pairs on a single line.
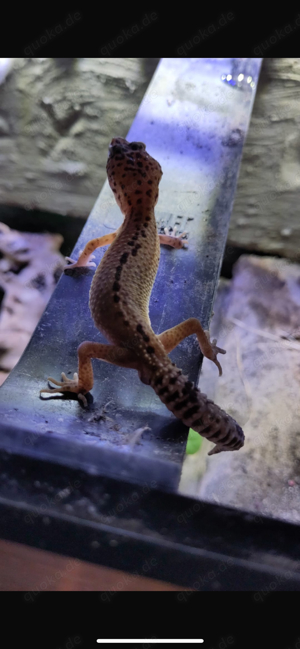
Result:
{"points": [[119, 303]]}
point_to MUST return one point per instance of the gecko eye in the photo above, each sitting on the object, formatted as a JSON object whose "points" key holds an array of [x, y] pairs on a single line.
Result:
{"points": [[115, 148], [137, 146]]}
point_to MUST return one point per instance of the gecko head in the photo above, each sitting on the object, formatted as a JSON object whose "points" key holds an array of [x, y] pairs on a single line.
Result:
{"points": [[132, 174]]}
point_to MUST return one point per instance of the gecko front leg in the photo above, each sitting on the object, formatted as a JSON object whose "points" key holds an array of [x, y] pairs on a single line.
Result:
{"points": [[86, 253], [84, 259], [174, 240]]}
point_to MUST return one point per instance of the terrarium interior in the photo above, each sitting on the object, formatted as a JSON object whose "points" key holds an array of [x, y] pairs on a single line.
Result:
{"points": [[56, 122]]}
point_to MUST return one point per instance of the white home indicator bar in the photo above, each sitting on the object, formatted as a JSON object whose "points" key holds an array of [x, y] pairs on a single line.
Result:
{"points": [[151, 641]]}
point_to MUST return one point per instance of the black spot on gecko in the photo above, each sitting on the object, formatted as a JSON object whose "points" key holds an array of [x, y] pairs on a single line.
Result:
{"points": [[173, 380], [139, 164], [172, 397], [197, 422], [162, 390], [193, 396], [149, 192], [116, 286], [225, 439], [158, 381], [130, 243], [138, 191], [232, 442], [124, 258], [150, 182], [116, 298], [140, 329], [148, 218], [139, 200], [139, 182], [182, 404], [150, 349], [145, 225], [189, 413], [146, 339]]}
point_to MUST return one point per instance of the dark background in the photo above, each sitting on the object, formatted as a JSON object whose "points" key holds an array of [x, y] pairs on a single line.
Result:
{"points": [[224, 620]]}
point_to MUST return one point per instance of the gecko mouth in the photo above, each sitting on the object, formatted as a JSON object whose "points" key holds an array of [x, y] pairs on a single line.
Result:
{"points": [[117, 146]]}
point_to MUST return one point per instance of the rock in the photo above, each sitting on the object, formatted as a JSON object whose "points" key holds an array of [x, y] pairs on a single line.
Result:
{"points": [[30, 267], [257, 321], [65, 111], [270, 170], [4, 127]]}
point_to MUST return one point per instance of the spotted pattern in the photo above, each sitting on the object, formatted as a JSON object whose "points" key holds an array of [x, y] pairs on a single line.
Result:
{"points": [[121, 288]]}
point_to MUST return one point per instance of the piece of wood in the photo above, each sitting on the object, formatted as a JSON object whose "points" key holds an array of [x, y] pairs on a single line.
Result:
{"points": [[23, 568]]}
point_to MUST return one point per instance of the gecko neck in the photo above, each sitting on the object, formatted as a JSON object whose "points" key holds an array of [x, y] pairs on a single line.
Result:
{"points": [[139, 215]]}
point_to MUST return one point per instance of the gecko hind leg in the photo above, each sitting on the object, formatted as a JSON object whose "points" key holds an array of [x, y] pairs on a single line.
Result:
{"points": [[66, 385], [172, 337], [83, 381]]}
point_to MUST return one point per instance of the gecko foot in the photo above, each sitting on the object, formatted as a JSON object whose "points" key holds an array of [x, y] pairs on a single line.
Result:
{"points": [[212, 351], [80, 263], [175, 240], [66, 385]]}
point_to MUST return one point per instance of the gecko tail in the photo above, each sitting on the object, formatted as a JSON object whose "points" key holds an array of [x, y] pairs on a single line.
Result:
{"points": [[195, 410]]}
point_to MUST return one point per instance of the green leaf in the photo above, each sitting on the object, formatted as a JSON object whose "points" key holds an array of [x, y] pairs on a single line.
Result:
{"points": [[194, 442]]}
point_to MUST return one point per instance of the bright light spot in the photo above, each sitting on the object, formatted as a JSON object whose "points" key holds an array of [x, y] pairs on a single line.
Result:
{"points": [[249, 79], [240, 77], [229, 77], [252, 84]]}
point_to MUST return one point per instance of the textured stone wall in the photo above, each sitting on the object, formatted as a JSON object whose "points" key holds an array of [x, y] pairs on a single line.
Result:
{"points": [[267, 204], [57, 117]]}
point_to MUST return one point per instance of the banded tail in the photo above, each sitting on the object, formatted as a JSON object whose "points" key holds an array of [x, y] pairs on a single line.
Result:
{"points": [[193, 407]]}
